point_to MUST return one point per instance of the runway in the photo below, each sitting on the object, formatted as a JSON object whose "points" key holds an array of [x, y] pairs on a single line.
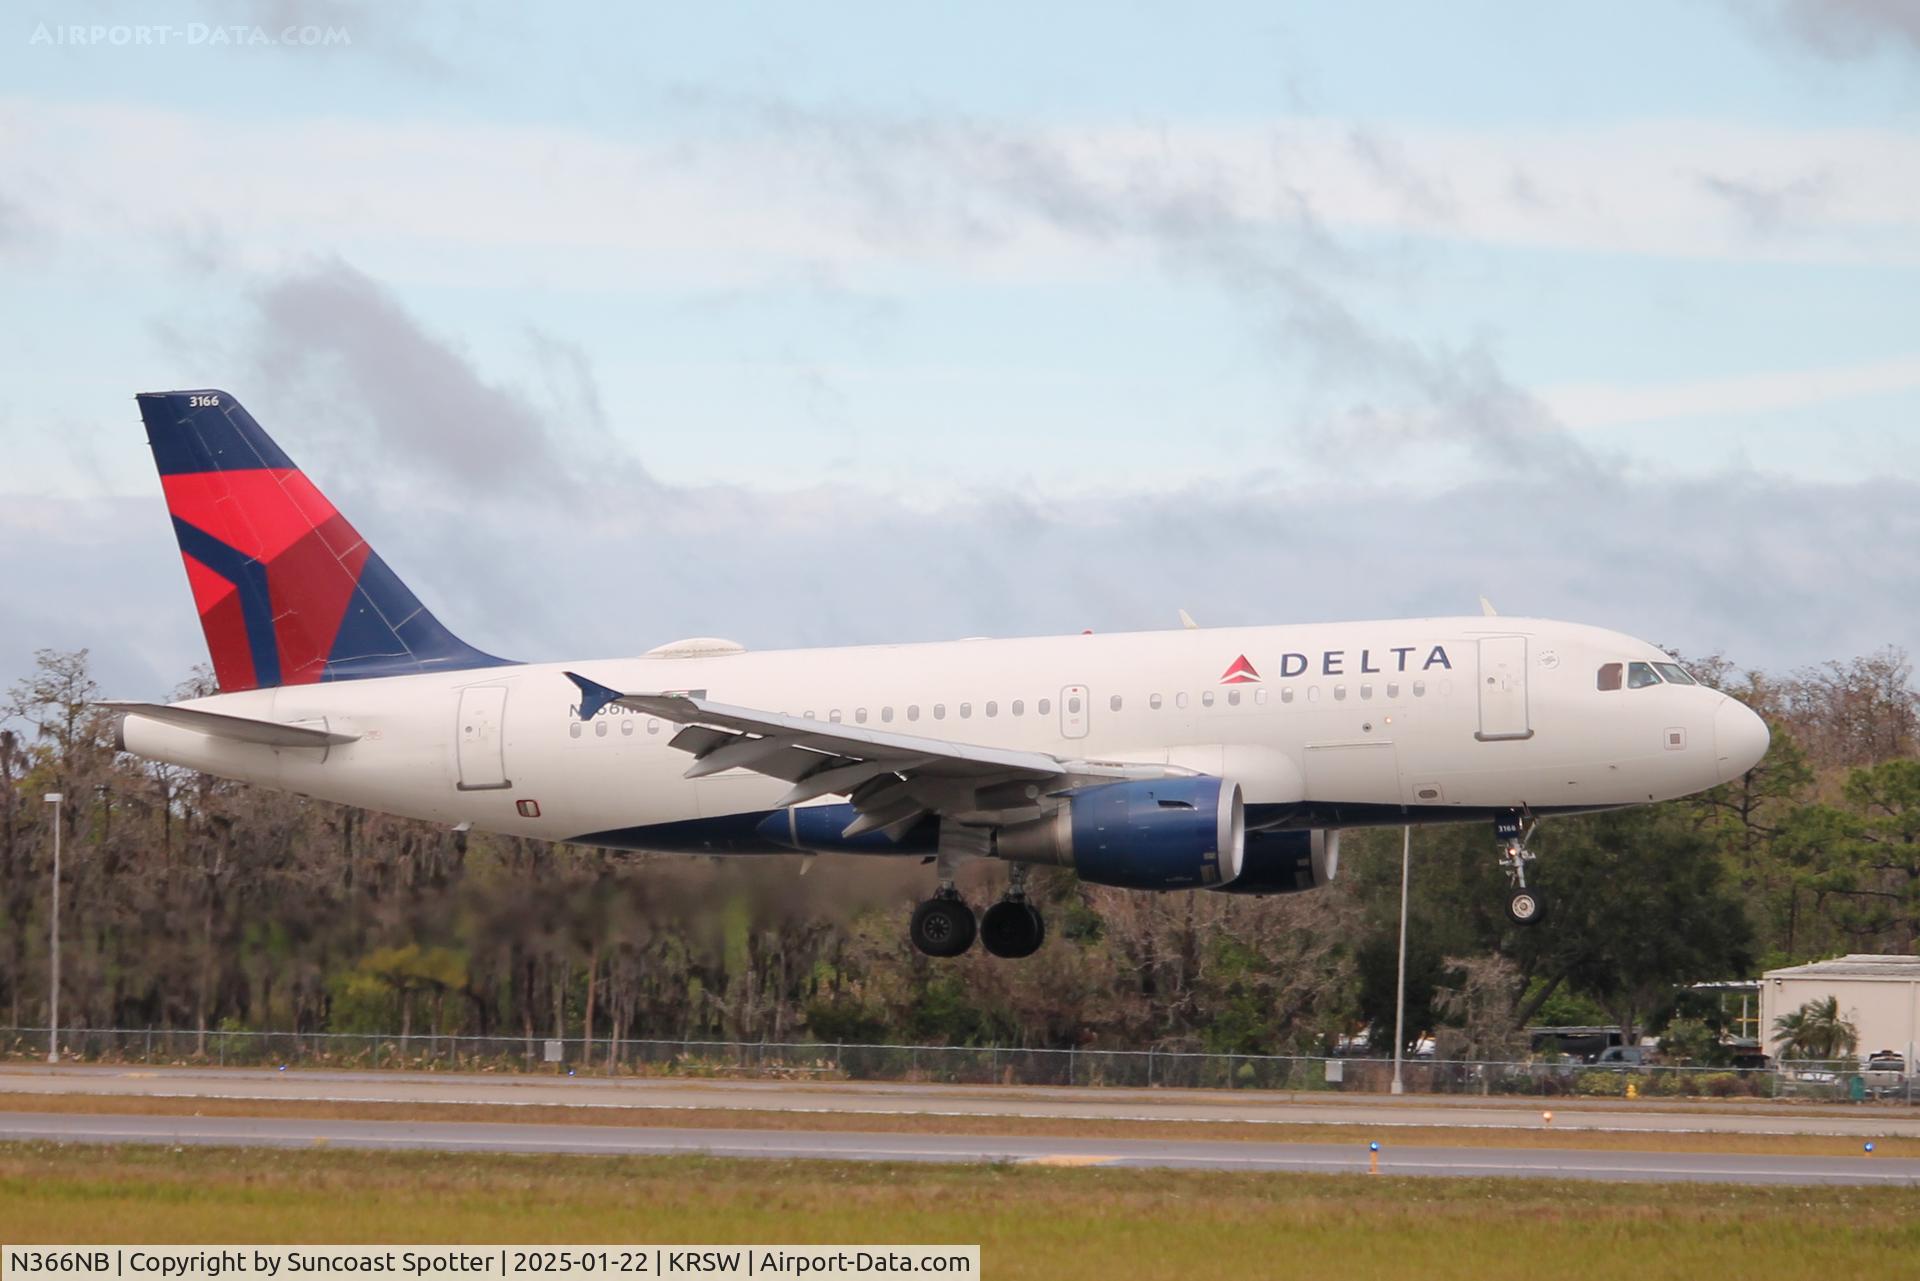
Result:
{"points": [[1316, 1158], [1249, 1107]]}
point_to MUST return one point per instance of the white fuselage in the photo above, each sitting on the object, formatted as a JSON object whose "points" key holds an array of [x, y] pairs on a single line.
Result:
{"points": [[1339, 725]]}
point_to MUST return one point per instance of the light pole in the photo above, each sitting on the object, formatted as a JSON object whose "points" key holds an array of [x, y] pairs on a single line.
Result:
{"points": [[1400, 986], [53, 988]]}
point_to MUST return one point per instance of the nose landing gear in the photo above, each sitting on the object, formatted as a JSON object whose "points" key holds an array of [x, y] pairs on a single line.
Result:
{"points": [[1513, 828]]}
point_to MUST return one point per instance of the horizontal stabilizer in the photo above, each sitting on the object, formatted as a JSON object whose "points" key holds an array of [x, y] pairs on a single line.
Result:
{"points": [[241, 729]]}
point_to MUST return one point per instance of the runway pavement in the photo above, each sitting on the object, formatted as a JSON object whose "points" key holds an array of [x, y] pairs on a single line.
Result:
{"points": [[18, 1082], [1321, 1158]]}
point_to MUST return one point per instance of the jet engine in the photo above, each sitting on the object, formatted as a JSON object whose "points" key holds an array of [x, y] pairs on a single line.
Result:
{"points": [[1286, 862], [1155, 834]]}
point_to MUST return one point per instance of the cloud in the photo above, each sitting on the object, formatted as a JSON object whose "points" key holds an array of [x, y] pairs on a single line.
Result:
{"points": [[360, 363], [747, 189], [1774, 573], [1772, 207], [1607, 405], [475, 502], [472, 492], [1844, 30], [1192, 211]]}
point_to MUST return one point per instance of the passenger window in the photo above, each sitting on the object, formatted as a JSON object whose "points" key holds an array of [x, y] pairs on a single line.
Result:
{"points": [[860, 715], [1154, 702], [1044, 706], [1419, 689], [966, 710], [1286, 695], [573, 730], [1113, 704], [653, 726], [1641, 675], [1233, 698], [1675, 674], [1366, 689], [1393, 689], [913, 711], [626, 727], [886, 715], [993, 709], [1340, 692], [1608, 678], [1180, 699], [1260, 695], [1019, 707], [1206, 698], [1073, 704], [939, 711], [834, 716], [599, 729]]}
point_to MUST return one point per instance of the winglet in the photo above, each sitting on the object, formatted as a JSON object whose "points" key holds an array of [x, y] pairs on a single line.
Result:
{"points": [[1486, 607], [593, 695], [1186, 621]]}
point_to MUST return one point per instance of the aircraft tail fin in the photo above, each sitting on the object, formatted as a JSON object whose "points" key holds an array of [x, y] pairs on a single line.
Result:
{"points": [[288, 592]]}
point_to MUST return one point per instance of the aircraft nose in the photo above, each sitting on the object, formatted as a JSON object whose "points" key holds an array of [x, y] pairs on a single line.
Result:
{"points": [[1739, 738]]}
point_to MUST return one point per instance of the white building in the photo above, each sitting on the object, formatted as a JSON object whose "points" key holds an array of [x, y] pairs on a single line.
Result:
{"points": [[1879, 995]]}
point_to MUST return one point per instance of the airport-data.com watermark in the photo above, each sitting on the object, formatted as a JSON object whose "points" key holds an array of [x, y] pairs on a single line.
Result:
{"points": [[190, 35]]}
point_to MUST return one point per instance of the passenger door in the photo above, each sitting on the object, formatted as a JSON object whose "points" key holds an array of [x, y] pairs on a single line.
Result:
{"points": [[480, 743], [1503, 689]]}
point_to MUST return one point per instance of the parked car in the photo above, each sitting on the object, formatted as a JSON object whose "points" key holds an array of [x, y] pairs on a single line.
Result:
{"points": [[1885, 1073], [1625, 1056]]}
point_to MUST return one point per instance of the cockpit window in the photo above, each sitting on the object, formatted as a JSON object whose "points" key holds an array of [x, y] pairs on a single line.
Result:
{"points": [[1675, 674], [1641, 675], [1609, 677]]}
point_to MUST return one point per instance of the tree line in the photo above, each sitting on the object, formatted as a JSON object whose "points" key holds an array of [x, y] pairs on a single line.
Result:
{"points": [[194, 902]]}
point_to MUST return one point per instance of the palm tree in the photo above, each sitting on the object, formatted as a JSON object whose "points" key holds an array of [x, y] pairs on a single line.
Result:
{"points": [[1815, 1031]]}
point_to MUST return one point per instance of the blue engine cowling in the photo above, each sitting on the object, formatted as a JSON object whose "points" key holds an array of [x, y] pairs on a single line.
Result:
{"points": [[1286, 862], [1156, 834]]}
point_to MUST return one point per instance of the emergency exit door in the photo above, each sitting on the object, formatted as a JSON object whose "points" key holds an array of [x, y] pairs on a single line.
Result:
{"points": [[480, 743], [1073, 711], [1503, 688]]}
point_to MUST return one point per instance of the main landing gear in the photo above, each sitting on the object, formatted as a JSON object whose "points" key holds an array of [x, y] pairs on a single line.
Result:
{"points": [[1012, 928], [1513, 828], [943, 925]]}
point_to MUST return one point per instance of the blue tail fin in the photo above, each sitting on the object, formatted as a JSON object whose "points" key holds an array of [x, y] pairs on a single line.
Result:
{"points": [[288, 592]]}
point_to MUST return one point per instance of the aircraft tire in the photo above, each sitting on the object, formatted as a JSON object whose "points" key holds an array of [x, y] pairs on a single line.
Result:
{"points": [[1525, 907], [943, 927], [1012, 929]]}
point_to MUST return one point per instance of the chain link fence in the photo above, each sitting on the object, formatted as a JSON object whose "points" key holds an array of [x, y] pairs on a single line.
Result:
{"points": [[1846, 1081]]}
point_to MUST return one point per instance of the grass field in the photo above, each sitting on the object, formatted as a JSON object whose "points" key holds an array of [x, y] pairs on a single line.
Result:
{"points": [[1051, 1223], [1535, 1137]]}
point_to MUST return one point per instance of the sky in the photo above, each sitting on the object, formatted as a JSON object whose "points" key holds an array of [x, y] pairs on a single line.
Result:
{"points": [[851, 323]]}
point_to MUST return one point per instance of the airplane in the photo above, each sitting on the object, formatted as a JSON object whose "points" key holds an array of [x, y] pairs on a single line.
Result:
{"points": [[1220, 759]]}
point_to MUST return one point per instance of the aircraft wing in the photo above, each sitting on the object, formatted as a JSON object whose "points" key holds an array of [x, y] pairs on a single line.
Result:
{"points": [[894, 780]]}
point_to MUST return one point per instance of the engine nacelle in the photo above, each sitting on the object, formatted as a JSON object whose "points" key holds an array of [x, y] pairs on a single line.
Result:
{"points": [[1286, 862], [1156, 834]]}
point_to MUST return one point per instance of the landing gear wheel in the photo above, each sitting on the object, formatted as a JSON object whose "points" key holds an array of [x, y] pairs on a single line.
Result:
{"points": [[943, 927], [1525, 908], [1512, 828], [1012, 928]]}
